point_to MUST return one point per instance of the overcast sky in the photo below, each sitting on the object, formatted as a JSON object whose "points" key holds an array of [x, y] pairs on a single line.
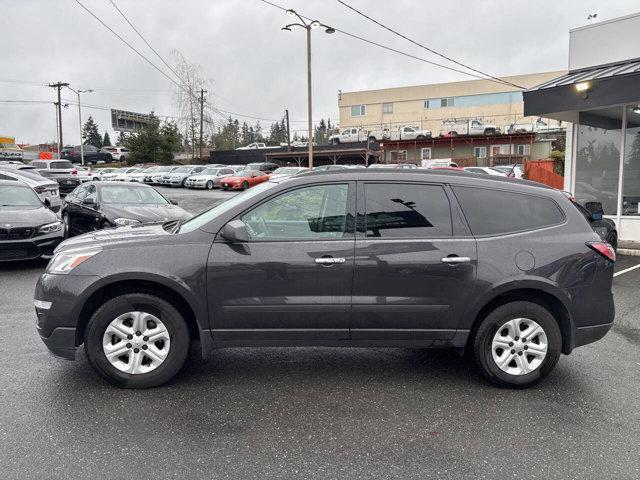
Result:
{"points": [[253, 67]]}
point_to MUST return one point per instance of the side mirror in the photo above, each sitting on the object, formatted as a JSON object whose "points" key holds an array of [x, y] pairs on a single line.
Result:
{"points": [[235, 232], [47, 203], [173, 202]]}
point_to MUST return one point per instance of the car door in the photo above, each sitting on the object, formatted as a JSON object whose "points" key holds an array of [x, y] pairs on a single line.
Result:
{"points": [[88, 217], [72, 208], [415, 263], [292, 279]]}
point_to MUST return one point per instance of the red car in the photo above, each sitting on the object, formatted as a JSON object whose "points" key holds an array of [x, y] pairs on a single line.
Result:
{"points": [[243, 179]]}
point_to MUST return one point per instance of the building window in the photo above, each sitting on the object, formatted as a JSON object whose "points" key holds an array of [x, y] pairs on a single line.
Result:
{"points": [[631, 174], [446, 102], [425, 154], [387, 108], [523, 149], [500, 150], [480, 152], [433, 103], [398, 156], [358, 110], [598, 144]]}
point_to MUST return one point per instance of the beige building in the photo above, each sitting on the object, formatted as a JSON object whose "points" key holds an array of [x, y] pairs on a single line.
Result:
{"points": [[427, 106]]}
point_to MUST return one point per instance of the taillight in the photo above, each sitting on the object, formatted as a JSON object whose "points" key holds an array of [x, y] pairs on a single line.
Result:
{"points": [[604, 249], [74, 172], [40, 189]]}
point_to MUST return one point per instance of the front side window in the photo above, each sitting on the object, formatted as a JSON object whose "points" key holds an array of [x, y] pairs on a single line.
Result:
{"points": [[486, 213], [91, 193], [318, 212], [358, 110], [406, 211]]}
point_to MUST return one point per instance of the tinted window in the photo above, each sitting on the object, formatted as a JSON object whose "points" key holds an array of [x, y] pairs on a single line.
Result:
{"points": [[312, 212], [125, 194], [61, 164], [91, 193], [492, 212], [406, 210]]}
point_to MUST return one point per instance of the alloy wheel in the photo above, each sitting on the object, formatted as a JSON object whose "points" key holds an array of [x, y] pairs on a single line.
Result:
{"points": [[136, 342], [519, 346]]}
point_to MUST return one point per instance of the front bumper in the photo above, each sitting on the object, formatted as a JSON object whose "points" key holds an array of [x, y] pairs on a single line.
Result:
{"points": [[57, 325], [195, 184], [40, 246], [171, 182], [230, 186]]}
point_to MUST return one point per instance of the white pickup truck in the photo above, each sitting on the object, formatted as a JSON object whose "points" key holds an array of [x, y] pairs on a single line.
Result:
{"points": [[539, 126], [406, 132], [348, 135], [467, 127], [255, 146]]}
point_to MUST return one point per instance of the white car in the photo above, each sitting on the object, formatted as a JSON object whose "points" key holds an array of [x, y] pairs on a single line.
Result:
{"points": [[117, 153], [513, 171], [123, 175], [139, 176], [100, 173], [485, 171], [156, 176], [208, 178], [284, 172]]}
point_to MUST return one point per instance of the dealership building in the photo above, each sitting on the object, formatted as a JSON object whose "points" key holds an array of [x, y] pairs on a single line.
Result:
{"points": [[599, 98]]}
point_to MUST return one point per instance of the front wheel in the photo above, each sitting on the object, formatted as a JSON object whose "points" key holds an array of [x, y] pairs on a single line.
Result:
{"points": [[335, 141], [245, 185], [137, 341], [517, 344], [210, 185], [66, 225]]}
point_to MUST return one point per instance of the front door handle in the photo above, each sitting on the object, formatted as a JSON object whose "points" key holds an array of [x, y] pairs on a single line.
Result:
{"points": [[329, 260], [455, 259]]}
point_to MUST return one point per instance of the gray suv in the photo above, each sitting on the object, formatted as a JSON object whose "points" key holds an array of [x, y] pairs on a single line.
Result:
{"points": [[367, 258]]}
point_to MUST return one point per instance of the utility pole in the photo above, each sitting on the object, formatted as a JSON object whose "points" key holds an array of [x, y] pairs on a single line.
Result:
{"points": [[78, 92], [202, 92], [309, 109], [55, 104], [59, 85], [286, 112]]}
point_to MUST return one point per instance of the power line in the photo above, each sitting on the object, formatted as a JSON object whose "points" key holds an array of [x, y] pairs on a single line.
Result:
{"points": [[149, 45], [441, 55], [385, 47]]}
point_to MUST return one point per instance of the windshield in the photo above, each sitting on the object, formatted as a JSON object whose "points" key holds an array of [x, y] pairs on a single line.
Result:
{"points": [[210, 171], [208, 215], [183, 170], [165, 169], [18, 196], [126, 194], [149, 170], [243, 173], [285, 171]]}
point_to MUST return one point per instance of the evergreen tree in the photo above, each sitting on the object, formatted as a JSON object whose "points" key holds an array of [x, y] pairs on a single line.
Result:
{"points": [[90, 133], [122, 138], [155, 142], [320, 133], [106, 141]]}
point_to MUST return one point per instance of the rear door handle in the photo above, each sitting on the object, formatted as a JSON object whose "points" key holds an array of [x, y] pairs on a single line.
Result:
{"points": [[455, 260], [329, 260]]}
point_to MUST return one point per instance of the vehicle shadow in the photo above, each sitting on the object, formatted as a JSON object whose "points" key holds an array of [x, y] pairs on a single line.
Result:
{"points": [[23, 265]]}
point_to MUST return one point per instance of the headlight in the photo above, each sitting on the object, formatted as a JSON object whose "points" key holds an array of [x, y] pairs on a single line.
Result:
{"points": [[50, 227], [126, 221], [64, 262]]}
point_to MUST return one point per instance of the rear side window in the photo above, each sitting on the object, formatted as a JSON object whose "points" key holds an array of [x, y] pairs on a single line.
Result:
{"points": [[494, 212], [61, 164], [406, 211]]}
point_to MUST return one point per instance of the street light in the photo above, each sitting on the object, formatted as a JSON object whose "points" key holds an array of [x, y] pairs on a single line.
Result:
{"points": [[78, 92], [308, 26]]}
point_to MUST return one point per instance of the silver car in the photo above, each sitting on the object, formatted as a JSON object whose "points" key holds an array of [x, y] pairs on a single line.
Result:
{"points": [[178, 177], [208, 178], [47, 189], [156, 177], [284, 172]]}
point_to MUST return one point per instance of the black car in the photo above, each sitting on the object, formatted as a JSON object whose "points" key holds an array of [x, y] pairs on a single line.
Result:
{"points": [[367, 258], [265, 167], [28, 229], [97, 205], [90, 153], [594, 213]]}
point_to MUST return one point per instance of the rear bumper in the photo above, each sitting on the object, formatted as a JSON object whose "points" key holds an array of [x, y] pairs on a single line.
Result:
{"points": [[590, 334]]}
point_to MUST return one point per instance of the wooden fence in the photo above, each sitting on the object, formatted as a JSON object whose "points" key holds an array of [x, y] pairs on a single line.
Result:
{"points": [[542, 171]]}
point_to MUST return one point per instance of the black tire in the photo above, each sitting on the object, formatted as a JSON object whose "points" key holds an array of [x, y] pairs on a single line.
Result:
{"points": [[489, 131], [372, 139], [482, 337], [335, 141], [245, 185], [170, 317], [420, 137], [210, 185], [105, 224], [66, 226], [183, 183], [612, 238]]}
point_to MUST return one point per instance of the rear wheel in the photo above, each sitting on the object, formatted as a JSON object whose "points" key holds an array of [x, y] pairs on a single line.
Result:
{"points": [[210, 185], [245, 185], [490, 131], [137, 341], [335, 141], [517, 344], [66, 226]]}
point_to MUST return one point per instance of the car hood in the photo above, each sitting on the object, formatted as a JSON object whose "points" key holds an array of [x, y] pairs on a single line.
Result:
{"points": [[145, 213], [233, 178], [177, 175], [114, 236], [26, 216]]}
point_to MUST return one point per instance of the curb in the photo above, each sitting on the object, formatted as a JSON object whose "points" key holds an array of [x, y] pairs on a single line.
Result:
{"points": [[629, 251]]}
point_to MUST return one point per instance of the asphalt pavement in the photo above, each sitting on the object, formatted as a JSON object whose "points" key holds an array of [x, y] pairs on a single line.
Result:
{"points": [[317, 412]]}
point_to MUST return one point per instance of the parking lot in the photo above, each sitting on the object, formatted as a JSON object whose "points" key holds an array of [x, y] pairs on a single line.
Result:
{"points": [[317, 412]]}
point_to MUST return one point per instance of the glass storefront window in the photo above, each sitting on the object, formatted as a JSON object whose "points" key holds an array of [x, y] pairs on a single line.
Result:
{"points": [[599, 140], [631, 168]]}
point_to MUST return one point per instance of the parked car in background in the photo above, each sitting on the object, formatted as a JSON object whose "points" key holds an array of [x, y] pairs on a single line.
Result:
{"points": [[243, 179], [406, 166], [28, 228], [98, 205], [101, 173], [118, 154], [60, 170], [124, 174], [593, 212], [485, 171], [513, 171], [178, 177], [324, 168], [236, 168], [47, 189], [266, 167], [427, 164], [208, 178], [85, 175], [406, 132], [140, 175], [256, 146], [537, 126], [467, 127], [91, 155], [432, 259], [348, 135], [156, 177], [284, 172]]}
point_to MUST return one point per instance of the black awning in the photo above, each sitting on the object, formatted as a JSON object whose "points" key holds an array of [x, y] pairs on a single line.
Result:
{"points": [[607, 85]]}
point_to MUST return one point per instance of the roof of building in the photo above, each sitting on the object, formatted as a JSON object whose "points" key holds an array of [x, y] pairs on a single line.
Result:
{"points": [[593, 73]]}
